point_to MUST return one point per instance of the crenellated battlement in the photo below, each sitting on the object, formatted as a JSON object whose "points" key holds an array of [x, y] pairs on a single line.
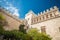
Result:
{"points": [[49, 10], [46, 15]]}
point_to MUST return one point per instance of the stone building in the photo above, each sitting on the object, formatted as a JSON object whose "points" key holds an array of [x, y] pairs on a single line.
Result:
{"points": [[47, 21], [13, 21]]}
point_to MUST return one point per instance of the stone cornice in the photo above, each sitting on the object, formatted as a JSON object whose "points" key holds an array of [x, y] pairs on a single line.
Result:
{"points": [[46, 20]]}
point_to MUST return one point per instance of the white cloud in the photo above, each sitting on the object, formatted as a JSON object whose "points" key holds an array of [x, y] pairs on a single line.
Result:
{"points": [[12, 9], [16, 13]]}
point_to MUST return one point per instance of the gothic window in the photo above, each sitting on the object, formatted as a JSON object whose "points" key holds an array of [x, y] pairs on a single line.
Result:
{"points": [[37, 19], [47, 16], [51, 15], [43, 29], [43, 17], [59, 29], [40, 18]]}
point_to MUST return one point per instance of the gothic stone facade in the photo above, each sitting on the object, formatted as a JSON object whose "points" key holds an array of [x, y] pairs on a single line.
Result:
{"points": [[13, 21], [47, 21]]}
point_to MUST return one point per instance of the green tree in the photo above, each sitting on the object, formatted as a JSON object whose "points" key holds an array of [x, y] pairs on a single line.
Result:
{"points": [[2, 23], [2, 19], [27, 37], [17, 35], [8, 35], [21, 28], [38, 36], [21, 36], [14, 35]]}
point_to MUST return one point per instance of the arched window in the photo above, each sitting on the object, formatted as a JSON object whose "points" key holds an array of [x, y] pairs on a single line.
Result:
{"points": [[51, 15], [43, 17], [40, 18], [47, 16], [37, 19], [43, 29]]}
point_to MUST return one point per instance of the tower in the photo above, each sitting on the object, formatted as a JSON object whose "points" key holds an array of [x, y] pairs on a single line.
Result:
{"points": [[29, 16]]}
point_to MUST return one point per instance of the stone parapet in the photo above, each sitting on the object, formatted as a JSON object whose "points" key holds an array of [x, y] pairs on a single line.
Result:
{"points": [[46, 15]]}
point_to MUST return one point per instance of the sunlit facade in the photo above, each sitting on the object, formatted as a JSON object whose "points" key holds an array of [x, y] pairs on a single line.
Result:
{"points": [[47, 21]]}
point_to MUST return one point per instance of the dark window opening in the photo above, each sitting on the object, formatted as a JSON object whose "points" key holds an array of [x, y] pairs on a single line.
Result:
{"points": [[43, 29]]}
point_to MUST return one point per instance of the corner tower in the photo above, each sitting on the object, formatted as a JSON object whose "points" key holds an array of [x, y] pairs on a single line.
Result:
{"points": [[29, 16]]}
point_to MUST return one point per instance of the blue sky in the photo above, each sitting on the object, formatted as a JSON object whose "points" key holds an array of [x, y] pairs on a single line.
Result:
{"points": [[21, 7]]}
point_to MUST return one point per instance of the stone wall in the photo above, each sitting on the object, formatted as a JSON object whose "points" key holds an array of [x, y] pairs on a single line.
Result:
{"points": [[13, 22], [52, 27], [46, 15], [49, 19]]}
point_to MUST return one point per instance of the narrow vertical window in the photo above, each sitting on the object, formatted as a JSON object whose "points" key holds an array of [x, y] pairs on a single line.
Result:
{"points": [[37, 19], [47, 16], [51, 15], [43, 17], [43, 29], [40, 18]]}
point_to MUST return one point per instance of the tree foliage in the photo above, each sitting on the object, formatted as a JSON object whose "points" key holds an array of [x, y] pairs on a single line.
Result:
{"points": [[32, 34], [2, 23], [15, 35], [2, 17], [38, 36], [21, 28]]}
